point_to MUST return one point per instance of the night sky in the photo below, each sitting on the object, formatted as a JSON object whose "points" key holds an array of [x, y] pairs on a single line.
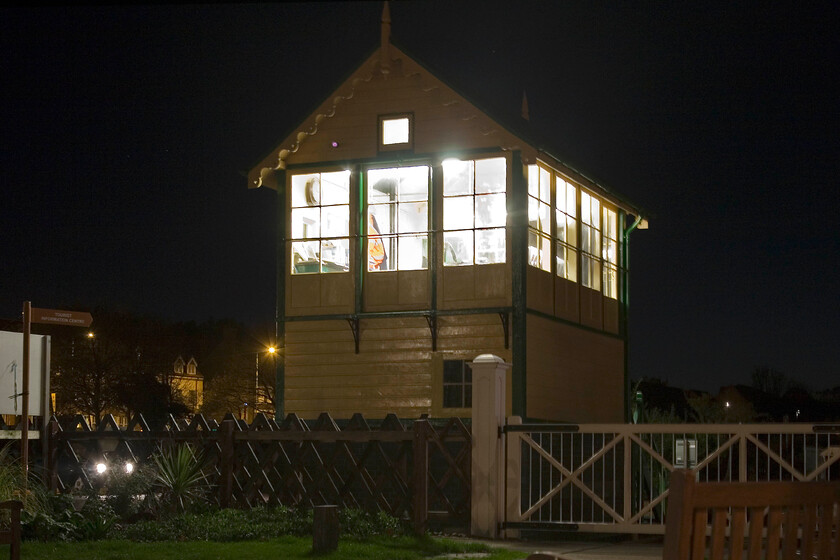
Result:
{"points": [[127, 133]]}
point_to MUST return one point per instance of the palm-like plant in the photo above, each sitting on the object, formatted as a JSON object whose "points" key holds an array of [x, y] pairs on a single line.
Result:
{"points": [[179, 477]]}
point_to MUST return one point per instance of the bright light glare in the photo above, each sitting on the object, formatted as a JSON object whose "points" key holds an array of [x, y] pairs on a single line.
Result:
{"points": [[272, 349], [101, 468], [129, 468]]}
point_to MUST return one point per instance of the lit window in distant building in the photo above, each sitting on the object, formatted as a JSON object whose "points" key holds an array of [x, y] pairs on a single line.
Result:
{"points": [[566, 218], [320, 222], [457, 384], [610, 253], [539, 217], [590, 218], [398, 218], [474, 211]]}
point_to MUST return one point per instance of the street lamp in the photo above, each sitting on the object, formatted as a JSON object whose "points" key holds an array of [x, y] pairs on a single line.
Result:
{"points": [[259, 395]]}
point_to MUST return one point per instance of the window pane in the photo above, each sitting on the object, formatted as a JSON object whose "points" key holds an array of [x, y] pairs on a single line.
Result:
{"points": [[596, 213], [335, 255], [381, 219], [585, 214], [458, 248], [533, 180], [306, 223], [610, 251], [412, 252], [467, 372], [335, 188], [571, 231], [490, 246], [453, 371], [467, 396], [545, 185], [545, 218], [457, 177], [490, 175], [458, 213], [380, 250], [413, 183], [533, 213], [395, 131], [304, 257], [611, 282], [336, 221], [560, 218], [303, 185], [453, 396], [414, 217], [571, 200], [490, 210]]}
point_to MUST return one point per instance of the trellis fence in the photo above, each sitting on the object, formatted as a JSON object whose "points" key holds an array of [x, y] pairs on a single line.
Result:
{"points": [[415, 470]]}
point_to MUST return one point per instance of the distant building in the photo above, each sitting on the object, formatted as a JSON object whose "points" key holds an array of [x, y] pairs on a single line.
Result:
{"points": [[186, 384], [419, 231]]}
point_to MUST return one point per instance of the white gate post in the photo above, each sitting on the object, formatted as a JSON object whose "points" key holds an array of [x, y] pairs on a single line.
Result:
{"points": [[488, 417]]}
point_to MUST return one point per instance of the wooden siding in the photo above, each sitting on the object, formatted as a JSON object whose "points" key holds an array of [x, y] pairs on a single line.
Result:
{"points": [[443, 120], [540, 290], [475, 286], [316, 294], [396, 290], [574, 375], [566, 299], [395, 370]]}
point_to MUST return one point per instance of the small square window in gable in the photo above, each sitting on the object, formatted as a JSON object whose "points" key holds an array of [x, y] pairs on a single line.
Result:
{"points": [[396, 132]]}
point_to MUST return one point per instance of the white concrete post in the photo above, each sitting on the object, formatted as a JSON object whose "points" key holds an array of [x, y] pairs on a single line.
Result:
{"points": [[488, 467]]}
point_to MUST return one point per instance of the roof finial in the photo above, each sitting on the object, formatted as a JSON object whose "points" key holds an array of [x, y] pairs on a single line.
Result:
{"points": [[525, 106], [385, 40]]}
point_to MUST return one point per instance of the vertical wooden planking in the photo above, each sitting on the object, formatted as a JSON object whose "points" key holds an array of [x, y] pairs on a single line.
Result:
{"points": [[757, 518], [774, 531], [790, 532], [736, 533], [698, 534], [718, 532]]}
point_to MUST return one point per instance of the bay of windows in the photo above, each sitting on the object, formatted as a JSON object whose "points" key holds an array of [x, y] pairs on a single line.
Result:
{"points": [[590, 246], [566, 218], [474, 211], [539, 217], [398, 218], [610, 254], [320, 222]]}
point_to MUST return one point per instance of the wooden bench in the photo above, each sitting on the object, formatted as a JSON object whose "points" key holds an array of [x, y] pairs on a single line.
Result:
{"points": [[751, 520], [11, 535]]}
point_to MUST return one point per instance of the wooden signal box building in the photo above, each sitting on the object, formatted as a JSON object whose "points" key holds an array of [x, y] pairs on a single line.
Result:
{"points": [[417, 232]]}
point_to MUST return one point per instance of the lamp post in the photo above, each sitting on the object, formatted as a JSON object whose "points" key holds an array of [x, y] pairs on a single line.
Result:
{"points": [[259, 395]]}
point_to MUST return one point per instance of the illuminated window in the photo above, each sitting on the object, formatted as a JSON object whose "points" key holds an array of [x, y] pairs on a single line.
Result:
{"points": [[610, 254], [320, 221], [539, 217], [474, 211], [398, 218], [565, 213], [395, 132], [457, 384], [590, 243]]}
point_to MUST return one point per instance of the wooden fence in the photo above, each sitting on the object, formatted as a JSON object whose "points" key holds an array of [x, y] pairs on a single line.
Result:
{"points": [[417, 470]]}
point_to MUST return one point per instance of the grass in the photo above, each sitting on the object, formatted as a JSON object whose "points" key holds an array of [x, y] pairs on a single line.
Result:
{"points": [[288, 548]]}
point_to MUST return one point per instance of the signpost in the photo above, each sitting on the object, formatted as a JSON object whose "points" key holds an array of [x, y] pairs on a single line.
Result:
{"points": [[46, 316]]}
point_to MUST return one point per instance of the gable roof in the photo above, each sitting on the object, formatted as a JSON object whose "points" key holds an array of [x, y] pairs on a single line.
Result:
{"points": [[390, 62]]}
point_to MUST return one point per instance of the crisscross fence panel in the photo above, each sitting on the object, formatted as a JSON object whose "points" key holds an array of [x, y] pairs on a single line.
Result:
{"points": [[419, 472], [615, 478]]}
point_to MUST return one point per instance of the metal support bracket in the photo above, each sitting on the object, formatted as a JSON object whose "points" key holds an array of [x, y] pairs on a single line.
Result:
{"points": [[432, 321], [354, 326], [505, 317]]}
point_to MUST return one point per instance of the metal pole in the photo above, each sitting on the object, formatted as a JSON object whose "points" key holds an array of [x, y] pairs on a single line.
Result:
{"points": [[24, 430]]}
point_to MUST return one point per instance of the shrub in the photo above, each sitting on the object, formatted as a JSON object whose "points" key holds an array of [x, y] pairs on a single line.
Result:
{"points": [[179, 480]]}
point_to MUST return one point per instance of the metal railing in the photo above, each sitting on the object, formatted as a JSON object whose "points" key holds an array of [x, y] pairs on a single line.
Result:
{"points": [[615, 478]]}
